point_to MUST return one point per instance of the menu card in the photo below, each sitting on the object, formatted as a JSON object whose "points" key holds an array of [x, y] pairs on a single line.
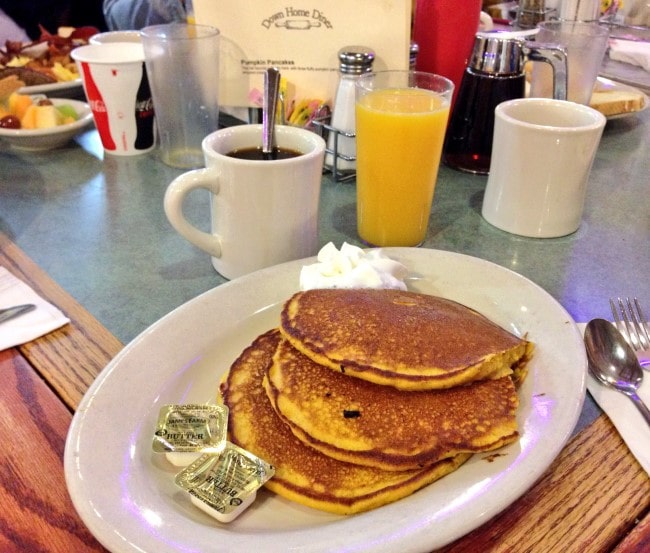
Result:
{"points": [[302, 40]]}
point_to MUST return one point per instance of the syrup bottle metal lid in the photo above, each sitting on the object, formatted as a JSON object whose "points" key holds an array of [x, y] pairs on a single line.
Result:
{"points": [[497, 53], [505, 53]]}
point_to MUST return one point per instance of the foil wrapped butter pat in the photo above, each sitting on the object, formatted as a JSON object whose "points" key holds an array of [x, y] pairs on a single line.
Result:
{"points": [[225, 484], [185, 432]]}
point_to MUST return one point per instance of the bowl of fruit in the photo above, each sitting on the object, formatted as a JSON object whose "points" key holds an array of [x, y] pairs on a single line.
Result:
{"points": [[39, 123]]}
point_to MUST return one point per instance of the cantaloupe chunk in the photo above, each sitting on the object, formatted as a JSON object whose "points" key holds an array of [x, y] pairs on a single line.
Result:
{"points": [[18, 104], [41, 117], [28, 120]]}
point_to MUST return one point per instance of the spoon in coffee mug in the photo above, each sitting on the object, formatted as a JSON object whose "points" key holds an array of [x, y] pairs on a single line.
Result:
{"points": [[269, 109]]}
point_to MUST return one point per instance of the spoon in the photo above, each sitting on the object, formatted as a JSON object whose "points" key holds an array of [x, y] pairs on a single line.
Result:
{"points": [[612, 361], [269, 107]]}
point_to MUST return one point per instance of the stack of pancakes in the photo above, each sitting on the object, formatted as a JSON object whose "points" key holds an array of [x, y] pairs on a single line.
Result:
{"points": [[363, 396]]}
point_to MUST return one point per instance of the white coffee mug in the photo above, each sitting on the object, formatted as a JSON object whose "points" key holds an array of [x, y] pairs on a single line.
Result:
{"points": [[264, 212], [542, 155]]}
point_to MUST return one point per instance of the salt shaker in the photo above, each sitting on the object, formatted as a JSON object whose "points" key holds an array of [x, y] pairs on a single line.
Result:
{"points": [[354, 61]]}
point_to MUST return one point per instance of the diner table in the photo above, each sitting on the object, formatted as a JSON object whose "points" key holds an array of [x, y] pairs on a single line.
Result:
{"points": [[87, 231]]}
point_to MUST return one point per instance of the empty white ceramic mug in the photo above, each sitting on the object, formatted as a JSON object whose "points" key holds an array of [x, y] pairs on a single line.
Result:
{"points": [[264, 212], [541, 159]]}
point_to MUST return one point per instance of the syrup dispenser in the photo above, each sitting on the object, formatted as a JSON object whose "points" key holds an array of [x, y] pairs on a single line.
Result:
{"points": [[495, 73]]}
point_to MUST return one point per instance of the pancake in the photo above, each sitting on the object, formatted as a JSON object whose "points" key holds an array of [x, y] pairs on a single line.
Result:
{"points": [[403, 339], [380, 426], [302, 474]]}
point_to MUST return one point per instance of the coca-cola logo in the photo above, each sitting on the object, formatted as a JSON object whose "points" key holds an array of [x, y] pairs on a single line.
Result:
{"points": [[144, 109], [98, 106], [144, 105]]}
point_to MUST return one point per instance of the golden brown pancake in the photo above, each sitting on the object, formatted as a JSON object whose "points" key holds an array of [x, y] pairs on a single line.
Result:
{"points": [[380, 426], [303, 474], [403, 339]]}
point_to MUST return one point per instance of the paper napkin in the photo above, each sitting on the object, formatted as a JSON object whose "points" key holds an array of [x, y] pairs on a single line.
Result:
{"points": [[29, 326], [630, 424], [630, 51]]}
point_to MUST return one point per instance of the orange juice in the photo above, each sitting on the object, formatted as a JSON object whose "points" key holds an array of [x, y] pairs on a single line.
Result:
{"points": [[400, 133]]}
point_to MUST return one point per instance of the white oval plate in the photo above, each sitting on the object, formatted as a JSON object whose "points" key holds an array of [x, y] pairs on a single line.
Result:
{"points": [[47, 139], [63, 86], [625, 73], [602, 83], [126, 496]]}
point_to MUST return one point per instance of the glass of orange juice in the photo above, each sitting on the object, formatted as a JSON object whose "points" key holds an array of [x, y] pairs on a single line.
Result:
{"points": [[401, 118]]}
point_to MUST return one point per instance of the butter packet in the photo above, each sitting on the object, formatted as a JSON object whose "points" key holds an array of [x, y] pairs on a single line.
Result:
{"points": [[224, 485], [184, 432]]}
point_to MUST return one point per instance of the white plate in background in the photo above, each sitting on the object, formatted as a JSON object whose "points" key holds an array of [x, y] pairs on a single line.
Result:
{"points": [[602, 84], [626, 73], [68, 87]]}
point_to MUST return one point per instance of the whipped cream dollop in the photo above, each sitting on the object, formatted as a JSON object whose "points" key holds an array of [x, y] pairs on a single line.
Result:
{"points": [[352, 267]]}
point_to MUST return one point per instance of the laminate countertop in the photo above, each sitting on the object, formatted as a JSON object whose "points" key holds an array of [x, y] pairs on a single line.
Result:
{"points": [[95, 223]]}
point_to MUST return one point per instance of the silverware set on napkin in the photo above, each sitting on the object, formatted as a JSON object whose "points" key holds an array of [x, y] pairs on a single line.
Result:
{"points": [[618, 352]]}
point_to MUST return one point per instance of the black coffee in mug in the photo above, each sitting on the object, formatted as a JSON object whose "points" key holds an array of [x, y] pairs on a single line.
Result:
{"points": [[255, 153]]}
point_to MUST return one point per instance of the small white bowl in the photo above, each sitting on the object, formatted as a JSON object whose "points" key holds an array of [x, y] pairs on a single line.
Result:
{"points": [[48, 139]]}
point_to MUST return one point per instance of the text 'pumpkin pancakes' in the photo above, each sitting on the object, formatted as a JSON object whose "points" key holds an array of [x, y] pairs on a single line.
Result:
{"points": [[403, 339], [303, 474], [380, 426]]}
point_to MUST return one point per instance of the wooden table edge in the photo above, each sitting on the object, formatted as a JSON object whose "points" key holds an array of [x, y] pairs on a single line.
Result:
{"points": [[86, 342]]}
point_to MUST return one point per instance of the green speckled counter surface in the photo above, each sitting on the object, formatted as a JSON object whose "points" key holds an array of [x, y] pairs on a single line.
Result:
{"points": [[96, 224]]}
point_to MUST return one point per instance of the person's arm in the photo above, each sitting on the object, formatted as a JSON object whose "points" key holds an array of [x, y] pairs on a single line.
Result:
{"points": [[29, 14], [9, 30], [135, 14]]}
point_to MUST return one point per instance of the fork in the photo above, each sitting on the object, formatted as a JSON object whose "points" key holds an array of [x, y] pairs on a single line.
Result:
{"points": [[633, 325]]}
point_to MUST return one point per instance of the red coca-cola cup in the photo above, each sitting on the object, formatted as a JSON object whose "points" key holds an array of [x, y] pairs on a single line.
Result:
{"points": [[444, 30], [116, 86]]}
